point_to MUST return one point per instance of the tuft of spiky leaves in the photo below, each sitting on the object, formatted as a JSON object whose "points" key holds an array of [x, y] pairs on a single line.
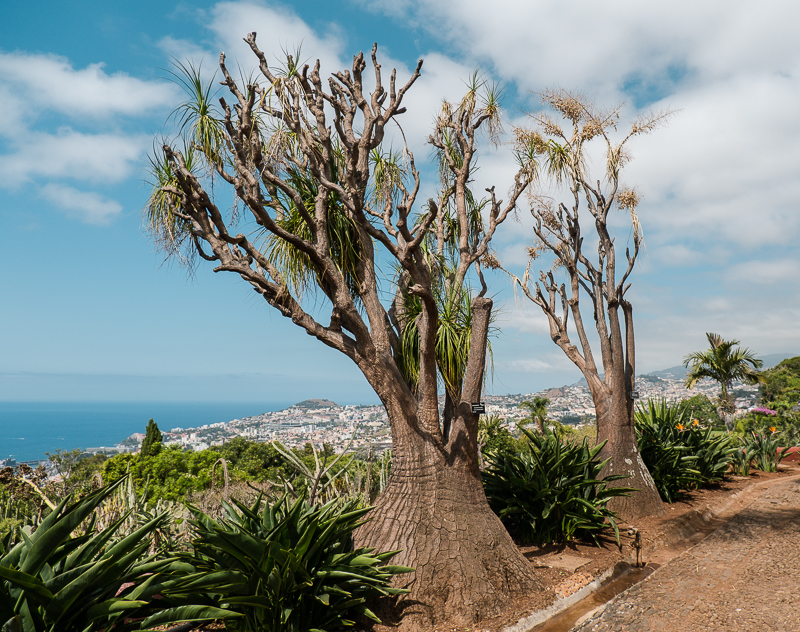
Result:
{"points": [[551, 490], [291, 567]]}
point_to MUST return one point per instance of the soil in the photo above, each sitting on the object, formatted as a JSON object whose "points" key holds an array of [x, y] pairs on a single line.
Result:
{"points": [[564, 569]]}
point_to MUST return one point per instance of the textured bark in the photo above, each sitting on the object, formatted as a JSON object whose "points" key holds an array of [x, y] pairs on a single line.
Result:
{"points": [[434, 509], [615, 425]]}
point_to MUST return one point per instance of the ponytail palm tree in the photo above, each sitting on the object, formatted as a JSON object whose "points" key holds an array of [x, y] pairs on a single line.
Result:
{"points": [[322, 212], [725, 363]]}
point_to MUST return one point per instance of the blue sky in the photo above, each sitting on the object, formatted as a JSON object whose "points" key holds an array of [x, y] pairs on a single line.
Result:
{"points": [[90, 310]]}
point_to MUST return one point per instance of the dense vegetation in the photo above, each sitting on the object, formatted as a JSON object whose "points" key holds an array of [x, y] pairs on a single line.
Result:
{"points": [[781, 388], [259, 535], [550, 490], [780, 410], [681, 453]]}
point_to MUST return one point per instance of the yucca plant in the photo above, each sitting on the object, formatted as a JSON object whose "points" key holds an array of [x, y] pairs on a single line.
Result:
{"points": [[290, 567], [54, 581], [551, 490]]}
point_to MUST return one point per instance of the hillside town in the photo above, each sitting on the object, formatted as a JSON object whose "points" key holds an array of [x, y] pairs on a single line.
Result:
{"points": [[367, 427]]}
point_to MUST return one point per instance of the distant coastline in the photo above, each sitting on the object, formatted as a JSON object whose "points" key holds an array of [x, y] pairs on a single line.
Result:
{"points": [[29, 429]]}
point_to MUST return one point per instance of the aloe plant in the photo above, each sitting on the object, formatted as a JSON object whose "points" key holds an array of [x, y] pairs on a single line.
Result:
{"points": [[55, 581], [290, 567]]}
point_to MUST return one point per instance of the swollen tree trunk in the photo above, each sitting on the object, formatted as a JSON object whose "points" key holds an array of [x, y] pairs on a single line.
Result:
{"points": [[434, 510], [316, 167], [615, 425]]}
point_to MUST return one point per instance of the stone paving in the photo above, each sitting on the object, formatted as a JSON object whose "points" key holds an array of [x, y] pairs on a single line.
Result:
{"points": [[745, 576]]}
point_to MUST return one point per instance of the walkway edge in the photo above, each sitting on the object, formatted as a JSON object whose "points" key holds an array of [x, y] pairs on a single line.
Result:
{"points": [[683, 528]]}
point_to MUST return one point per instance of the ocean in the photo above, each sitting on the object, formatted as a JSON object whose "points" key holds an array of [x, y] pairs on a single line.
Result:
{"points": [[29, 429]]}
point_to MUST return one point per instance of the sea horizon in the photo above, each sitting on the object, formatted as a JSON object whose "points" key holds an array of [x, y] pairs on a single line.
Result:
{"points": [[30, 429]]}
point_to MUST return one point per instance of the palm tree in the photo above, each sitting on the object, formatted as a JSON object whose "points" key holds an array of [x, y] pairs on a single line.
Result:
{"points": [[724, 362], [537, 410]]}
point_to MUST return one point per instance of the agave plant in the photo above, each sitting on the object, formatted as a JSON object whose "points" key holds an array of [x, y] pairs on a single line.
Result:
{"points": [[54, 581], [290, 567]]}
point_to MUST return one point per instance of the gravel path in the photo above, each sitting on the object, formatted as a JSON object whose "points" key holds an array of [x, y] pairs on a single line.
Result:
{"points": [[745, 576]]}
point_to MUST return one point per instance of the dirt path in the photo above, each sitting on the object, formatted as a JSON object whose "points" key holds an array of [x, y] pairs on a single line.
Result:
{"points": [[744, 576]]}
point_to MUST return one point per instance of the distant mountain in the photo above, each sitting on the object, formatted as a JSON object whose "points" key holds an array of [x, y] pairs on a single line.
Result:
{"points": [[316, 403], [672, 373], [776, 358], [679, 372]]}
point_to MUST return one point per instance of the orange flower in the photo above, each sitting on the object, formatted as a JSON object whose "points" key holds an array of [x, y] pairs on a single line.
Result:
{"points": [[695, 422], [680, 426], [773, 429]]}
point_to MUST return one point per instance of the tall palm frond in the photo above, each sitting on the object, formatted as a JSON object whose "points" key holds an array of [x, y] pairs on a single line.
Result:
{"points": [[170, 231], [343, 235], [199, 119], [724, 362]]}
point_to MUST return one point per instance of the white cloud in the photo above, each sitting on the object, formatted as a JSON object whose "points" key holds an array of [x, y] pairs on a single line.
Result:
{"points": [[725, 167], [87, 206], [102, 105], [279, 30], [524, 316], [785, 271], [49, 82], [105, 157]]}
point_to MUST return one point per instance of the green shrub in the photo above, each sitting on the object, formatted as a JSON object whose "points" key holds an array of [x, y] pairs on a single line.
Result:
{"points": [[171, 474], [550, 491], [290, 568], [679, 452], [742, 458], [714, 450], [764, 448], [664, 450]]}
